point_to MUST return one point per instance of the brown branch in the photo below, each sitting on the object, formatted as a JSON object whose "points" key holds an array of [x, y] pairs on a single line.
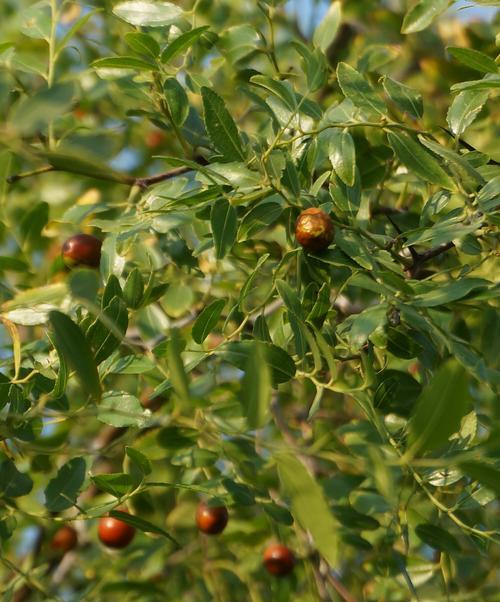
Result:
{"points": [[336, 584], [422, 258], [141, 182]]}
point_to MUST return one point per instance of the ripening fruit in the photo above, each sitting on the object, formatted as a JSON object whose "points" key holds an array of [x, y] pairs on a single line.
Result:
{"points": [[278, 560], [314, 229], [155, 138], [114, 533], [64, 540], [82, 250], [211, 520]]}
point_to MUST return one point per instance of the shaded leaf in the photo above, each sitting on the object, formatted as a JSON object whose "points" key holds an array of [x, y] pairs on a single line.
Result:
{"points": [[357, 89], [418, 160], [309, 506], [63, 489], [221, 127], [73, 345], [207, 320], [256, 387], [439, 409]]}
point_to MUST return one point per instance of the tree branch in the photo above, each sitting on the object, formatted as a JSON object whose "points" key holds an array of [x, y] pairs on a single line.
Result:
{"points": [[422, 258], [141, 182]]}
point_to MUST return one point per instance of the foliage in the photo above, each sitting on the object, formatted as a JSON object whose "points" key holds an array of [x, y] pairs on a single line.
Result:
{"points": [[343, 403]]}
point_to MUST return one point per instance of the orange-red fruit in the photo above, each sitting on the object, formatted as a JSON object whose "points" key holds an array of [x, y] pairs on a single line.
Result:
{"points": [[314, 229], [279, 560], [211, 520], [64, 540], [114, 533], [154, 139], [82, 250]]}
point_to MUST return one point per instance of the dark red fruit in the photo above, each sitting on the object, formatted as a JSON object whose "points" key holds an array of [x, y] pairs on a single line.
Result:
{"points": [[314, 229], [278, 560], [82, 250], [211, 520], [64, 540], [114, 533]]}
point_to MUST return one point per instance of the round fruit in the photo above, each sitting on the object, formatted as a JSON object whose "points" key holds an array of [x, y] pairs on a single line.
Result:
{"points": [[82, 249], [314, 229], [114, 533], [211, 520], [154, 139], [278, 560], [65, 539]]}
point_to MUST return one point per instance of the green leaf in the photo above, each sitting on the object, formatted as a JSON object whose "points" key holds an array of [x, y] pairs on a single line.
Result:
{"points": [[489, 82], [256, 387], [221, 127], [405, 98], [143, 43], [326, 31], [84, 284], [349, 517], [342, 153], [437, 538], [224, 224], [281, 364], [418, 160], [112, 289], [62, 377], [463, 170], [487, 475], [139, 459], [450, 291], [439, 409], [72, 344], [359, 327], [12, 482], [314, 66], [251, 284], [34, 112], [422, 14], [281, 90], [259, 217], [207, 320], [62, 491], [309, 506], [465, 107], [141, 524], [182, 43], [474, 59], [36, 21], [396, 393], [148, 13], [358, 90], [124, 62], [290, 298], [119, 408], [33, 222], [177, 100], [278, 513], [176, 368], [116, 484], [106, 333], [133, 290]]}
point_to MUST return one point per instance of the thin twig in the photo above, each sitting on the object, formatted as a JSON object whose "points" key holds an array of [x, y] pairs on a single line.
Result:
{"points": [[421, 258]]}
